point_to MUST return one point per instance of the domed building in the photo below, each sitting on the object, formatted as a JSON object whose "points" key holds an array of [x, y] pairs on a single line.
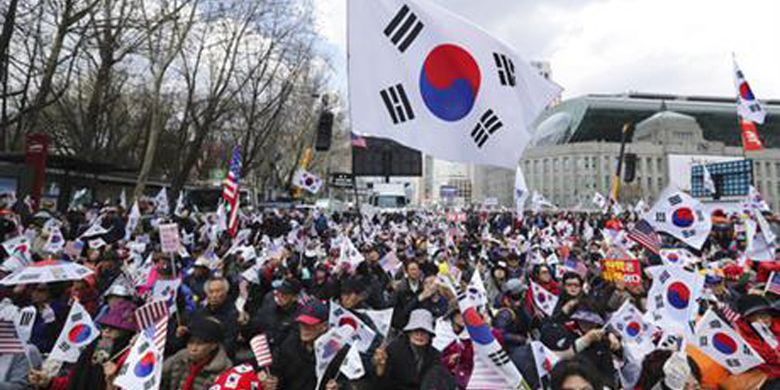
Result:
{"points": [[577, 142]]}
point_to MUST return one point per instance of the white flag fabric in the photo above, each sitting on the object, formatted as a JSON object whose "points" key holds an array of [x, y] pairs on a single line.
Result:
{"points": [[635, 332], [123, 199], [748, 106], [538, 202], [349, 254], [487, 350], [143, 367], [682, 216], [677, 256], [327, 346], [18, 250], [161, 201], [543, 299], [352, 367], [723, 344], [166, 290], [673, 298], [24, 323], [307, 181], [544, 358], [78, 332], [381, 318], [709, 184], [56, 241], [478, 291], [96, 229], [521, 192], [600, 201], [362, 335], [431, 80], [756, 200], [132, 221], [179, 210]]}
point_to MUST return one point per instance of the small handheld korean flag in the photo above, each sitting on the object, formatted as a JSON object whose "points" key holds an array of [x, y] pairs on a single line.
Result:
{"points": [[306, 180], [544, 358], [634, 331], [677, 256], [673, 298], [709, 184], [165, 290], [521, 192], [78, 332], [682, 216], [431, 80], [543, 299], [143, 367], [600, 201], [748, 106], [361, 336], [723, 344]]}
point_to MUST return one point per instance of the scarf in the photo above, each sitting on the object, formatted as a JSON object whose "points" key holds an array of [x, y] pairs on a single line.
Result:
{"points": [[195, 369]]}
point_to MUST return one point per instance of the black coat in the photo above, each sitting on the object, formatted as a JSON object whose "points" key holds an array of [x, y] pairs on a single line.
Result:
{"points": [[227, 314], [294, 365], [401, 372], [275, 322]]}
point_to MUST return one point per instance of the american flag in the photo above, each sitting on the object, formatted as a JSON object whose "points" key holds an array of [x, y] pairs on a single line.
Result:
{"points": [[773, 283], [644, 234], [260, 348], [9, 340], [358, 141], [230, 191], [152, 319]]}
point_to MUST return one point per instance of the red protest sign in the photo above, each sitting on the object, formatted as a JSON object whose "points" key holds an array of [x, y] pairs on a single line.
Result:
{"points": [[623, 270]]}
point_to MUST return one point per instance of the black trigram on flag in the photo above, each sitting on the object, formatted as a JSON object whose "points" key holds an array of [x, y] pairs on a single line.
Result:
{"points": [[506, 69], [499, 358], [675, 200], [397, 104], [488, 124], [403, 29]]}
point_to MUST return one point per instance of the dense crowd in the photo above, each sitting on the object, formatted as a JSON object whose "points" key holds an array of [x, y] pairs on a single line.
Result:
{"points": [[286, 271]]}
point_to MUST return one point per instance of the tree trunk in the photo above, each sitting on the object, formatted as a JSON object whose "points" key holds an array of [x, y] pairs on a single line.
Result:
{"points": [[5, 41], [156, 124]]}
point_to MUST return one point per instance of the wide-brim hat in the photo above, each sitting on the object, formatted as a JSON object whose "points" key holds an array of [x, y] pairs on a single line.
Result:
{"points": [[420, 319], [752, 304], [121, 316]]}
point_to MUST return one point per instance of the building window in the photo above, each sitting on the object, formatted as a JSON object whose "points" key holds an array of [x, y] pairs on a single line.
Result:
{"points": [[649, 184], [649, 163], [660, 184], [660, 165]]}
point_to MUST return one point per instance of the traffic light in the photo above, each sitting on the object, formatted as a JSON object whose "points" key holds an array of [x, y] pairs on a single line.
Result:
{"points": [[324, 132], [629, 174]]}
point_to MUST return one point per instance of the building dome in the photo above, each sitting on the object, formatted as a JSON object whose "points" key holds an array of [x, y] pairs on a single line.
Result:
{"points": [[669, 127]]}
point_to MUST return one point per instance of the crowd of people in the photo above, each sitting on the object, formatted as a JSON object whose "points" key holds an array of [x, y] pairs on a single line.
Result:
{"points": [[287, 271]]}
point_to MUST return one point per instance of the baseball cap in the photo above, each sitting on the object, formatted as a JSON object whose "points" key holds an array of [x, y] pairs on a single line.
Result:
{"points": [[289, 287], [313, 313]]}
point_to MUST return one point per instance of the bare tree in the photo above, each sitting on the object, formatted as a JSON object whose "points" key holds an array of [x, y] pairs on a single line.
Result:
{"points": [[163, 46]]}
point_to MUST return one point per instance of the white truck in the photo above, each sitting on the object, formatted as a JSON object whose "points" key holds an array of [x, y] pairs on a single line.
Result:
{"points": [[389, 196]]}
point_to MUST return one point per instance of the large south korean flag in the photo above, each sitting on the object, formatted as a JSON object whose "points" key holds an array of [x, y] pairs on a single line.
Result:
{"points": [[682, 216], [430, 80]]}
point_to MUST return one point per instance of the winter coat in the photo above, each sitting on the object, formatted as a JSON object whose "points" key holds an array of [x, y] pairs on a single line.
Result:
{"points": [[177, 368], [294, 364], [401, 372], [275, 322], [227, 314]]}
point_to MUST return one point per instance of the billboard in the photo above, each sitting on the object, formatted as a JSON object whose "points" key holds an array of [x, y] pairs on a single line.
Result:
{"points": [[681, 165], [383, 157]]}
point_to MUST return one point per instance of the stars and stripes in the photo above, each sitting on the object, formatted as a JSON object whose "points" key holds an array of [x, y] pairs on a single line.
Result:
{"points": [[358, 141], [230, 191], [261, 350], [644, 234], [773, 283], [9, 341], [152, 319]]}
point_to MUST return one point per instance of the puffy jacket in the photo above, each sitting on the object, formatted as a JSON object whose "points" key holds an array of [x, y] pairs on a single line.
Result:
{"points": [[177, 368]]}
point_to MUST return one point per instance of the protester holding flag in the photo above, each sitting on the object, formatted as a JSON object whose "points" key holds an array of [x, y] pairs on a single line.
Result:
{"points": [[410, 361], [98, 363], [201, 362]]}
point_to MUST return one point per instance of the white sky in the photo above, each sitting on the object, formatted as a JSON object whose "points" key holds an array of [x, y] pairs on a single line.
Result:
{"points": [[614, 46]]}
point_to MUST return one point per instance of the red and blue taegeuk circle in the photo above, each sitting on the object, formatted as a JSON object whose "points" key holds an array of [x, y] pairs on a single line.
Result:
{"points": [[79, 333], [745, 92], [683, 217], [724, 343], [633, 328], [673, 257], [678, 295], [449, 82], [145, 365], [478, 330]]}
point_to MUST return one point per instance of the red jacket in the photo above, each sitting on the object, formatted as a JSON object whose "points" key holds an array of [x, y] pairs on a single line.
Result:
{"points": [[771, 357]]}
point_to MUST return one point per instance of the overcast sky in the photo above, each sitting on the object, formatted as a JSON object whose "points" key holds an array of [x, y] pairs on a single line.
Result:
{"points": [[614, 46]]}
